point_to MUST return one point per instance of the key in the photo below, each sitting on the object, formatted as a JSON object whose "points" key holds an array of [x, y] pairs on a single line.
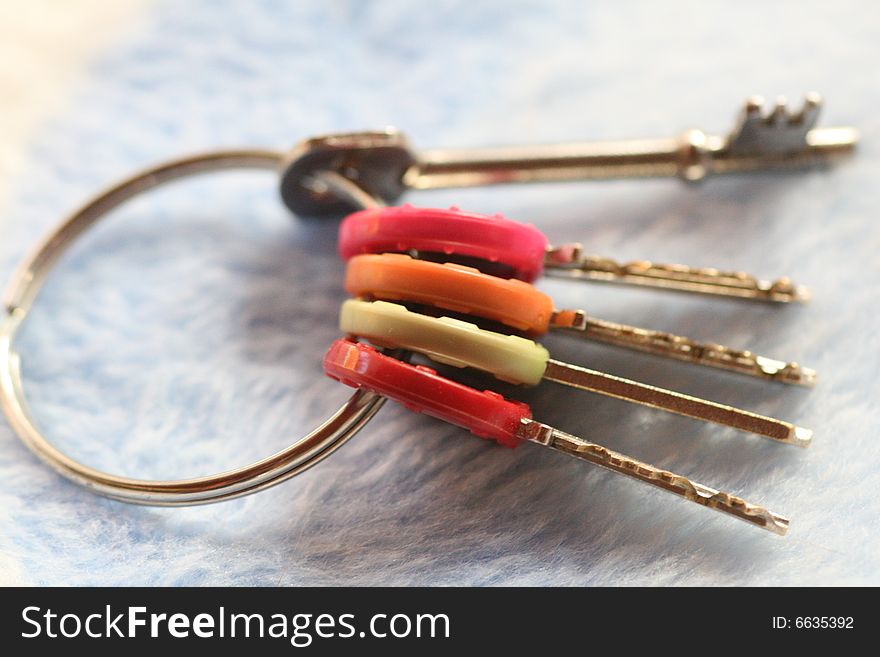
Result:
{"points": [[488, 415], [523, 252], [385, 165], [450, 286], [520, 361], [771, 139]]}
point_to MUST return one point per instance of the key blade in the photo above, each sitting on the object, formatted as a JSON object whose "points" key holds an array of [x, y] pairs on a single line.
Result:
{"points": [[682, 348], [568, 261], [737, 507], [676, 402]]}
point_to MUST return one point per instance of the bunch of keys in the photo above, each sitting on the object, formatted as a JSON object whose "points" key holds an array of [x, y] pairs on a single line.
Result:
{"points": [[433, 245], [403, 254], [446, 261]]}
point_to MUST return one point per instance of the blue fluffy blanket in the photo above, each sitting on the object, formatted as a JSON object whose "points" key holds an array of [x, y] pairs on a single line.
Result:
{"points": [[184, 336]]}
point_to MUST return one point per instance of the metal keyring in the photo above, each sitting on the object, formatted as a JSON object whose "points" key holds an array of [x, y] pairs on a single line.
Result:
{"points": [[303, 454]]}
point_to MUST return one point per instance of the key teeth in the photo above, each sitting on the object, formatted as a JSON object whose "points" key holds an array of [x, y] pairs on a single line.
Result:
{"points": [[681, 485], [751, 115], [805, 375], [785, 372], [778, 131], [809, 112], [673, 276], [754, 106], [779, 116], [794, 373], [720, 500]]}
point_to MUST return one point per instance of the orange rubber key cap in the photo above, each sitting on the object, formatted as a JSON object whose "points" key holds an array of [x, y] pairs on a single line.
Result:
{"points": [[398, 277]]}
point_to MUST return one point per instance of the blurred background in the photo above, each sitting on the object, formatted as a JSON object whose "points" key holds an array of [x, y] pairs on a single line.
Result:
{"points": [[183, 336]]}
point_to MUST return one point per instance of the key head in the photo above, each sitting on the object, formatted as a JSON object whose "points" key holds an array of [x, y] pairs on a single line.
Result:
{"points": [[376, 161], [450, 232], [484, 413]]}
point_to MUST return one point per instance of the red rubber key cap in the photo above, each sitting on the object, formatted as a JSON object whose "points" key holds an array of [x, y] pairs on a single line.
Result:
{"points": [[485, 414]]}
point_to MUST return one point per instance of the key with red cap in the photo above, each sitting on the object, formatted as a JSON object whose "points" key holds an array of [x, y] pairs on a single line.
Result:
{"points": [[525, 252], [488, 415]]}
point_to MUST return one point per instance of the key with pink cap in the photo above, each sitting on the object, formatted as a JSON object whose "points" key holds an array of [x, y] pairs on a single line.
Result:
{"points": [[521, 251]]}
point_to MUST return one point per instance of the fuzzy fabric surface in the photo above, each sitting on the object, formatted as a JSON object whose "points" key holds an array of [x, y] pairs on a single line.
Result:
{"points": [[183, 336]]}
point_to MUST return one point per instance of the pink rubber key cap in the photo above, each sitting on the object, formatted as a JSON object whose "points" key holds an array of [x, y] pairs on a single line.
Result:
{"points": [[521, 247]]}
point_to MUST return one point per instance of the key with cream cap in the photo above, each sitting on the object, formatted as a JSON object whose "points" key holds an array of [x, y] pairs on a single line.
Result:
{"points": [[518, 360]]}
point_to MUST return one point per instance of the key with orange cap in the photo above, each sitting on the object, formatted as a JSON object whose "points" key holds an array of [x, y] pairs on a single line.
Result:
{"points": [[519, 305]]}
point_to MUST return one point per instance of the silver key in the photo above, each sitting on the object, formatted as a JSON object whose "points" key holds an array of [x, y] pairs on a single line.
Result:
{"points": [[385, 165]]}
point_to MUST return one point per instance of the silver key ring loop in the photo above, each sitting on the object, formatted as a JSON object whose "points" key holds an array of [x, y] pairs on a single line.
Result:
{"points": [[26, 283]]}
